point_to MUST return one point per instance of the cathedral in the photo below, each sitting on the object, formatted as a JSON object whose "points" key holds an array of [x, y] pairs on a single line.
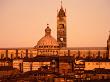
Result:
{"points": [[52, 55]]}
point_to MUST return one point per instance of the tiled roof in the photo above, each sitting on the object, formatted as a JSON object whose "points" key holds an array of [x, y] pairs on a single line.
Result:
{"points": [[6, 68]]}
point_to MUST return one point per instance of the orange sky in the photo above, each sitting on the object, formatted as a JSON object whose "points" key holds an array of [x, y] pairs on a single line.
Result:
{"points": [[22, 22]]}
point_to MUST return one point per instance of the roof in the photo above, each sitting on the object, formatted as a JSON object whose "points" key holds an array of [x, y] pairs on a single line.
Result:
{"points": [[68, 48], [86, 48], [96, 60], [6, 60], [37, 59], [49, 59], [98, 71], [6, 68]]}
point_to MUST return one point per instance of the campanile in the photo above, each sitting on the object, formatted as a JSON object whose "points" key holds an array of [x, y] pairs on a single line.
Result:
{"points": [[61, 27]]}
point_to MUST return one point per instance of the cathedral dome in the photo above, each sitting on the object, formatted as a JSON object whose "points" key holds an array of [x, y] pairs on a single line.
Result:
{"points": [[47, 41]]}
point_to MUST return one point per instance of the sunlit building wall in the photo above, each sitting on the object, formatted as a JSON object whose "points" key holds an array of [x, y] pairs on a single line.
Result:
{"points": [[91, 65]]}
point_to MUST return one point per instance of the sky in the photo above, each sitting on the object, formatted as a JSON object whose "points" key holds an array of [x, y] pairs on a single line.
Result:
{"points": [[22, 22]]}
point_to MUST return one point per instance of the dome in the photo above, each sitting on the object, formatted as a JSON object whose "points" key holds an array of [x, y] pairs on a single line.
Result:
{"points": [[47, 41]]}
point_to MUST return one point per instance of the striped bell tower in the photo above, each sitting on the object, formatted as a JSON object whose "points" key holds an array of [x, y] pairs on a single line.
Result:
{"points": [[61, 27]]}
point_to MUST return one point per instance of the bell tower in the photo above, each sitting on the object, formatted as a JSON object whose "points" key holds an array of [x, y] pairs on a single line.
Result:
{"points": [[61, 27]]}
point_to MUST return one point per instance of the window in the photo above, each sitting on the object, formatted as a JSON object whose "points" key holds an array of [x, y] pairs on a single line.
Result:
{"points": [[97, 63], [61, 26]]}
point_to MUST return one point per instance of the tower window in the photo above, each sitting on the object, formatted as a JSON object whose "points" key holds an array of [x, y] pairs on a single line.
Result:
{"points": [[61, 26]]}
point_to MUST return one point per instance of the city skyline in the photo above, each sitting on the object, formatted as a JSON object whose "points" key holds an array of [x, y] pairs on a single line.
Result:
{"points": [[23, 22]]}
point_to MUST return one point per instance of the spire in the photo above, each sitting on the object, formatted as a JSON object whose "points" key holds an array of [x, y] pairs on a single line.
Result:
{"points": [[47, 30], [61, 4], [61, 12]]}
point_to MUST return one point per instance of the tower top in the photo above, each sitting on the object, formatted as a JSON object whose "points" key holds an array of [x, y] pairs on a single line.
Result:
{"points": [[61, 12]]}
